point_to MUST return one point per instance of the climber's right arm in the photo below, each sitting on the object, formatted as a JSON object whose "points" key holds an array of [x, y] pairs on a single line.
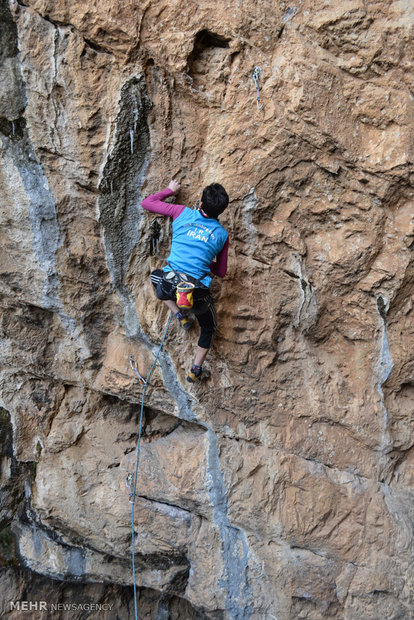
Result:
{"points": [[155, 204]]}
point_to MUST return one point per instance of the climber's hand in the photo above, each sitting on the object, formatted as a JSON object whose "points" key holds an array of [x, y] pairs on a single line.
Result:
{"points": [[174, 186]]}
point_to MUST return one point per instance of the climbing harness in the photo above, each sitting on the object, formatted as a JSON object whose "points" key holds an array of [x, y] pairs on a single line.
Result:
{"points": [[256, 74], [185, 286], [129, 477]]}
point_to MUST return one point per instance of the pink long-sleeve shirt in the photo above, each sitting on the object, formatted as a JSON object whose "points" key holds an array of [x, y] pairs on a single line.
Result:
{"points": [[155, 203]]}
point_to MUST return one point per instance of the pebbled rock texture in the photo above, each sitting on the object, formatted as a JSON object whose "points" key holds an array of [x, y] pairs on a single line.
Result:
{"points": [[283, 488]]}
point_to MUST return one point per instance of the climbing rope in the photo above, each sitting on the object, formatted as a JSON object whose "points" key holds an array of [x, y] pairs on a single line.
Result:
{"points": [[128, 481], [256, 74]]}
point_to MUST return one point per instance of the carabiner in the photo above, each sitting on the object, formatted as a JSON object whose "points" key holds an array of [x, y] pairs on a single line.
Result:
{"points": [[134, 367]]}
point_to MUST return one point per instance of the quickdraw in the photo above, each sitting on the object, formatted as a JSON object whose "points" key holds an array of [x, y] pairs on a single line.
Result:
{"points": [[256, 74], [128, 482], [134, 367]]}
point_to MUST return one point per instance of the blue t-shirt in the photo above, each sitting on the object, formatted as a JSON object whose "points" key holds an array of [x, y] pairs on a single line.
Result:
{"points": [[195, 243]]}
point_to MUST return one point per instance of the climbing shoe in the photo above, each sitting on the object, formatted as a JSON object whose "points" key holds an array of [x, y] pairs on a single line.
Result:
{"points": [[183, 320], [197, 374]]}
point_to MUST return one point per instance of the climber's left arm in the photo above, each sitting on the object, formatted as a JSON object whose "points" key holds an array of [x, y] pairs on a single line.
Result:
{"points": [[219, 266]]}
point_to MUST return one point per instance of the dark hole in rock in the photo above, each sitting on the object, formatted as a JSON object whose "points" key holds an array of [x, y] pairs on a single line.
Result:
{"points": [[155, 236], [209, 61], [382, 308], [205, 39]]}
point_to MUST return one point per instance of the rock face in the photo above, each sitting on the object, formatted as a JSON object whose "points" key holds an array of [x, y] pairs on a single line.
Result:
{"points": [[284, 488]]}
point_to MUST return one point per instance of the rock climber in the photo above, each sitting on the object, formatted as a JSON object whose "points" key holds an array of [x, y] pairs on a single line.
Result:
{"points": [[199, 245]]}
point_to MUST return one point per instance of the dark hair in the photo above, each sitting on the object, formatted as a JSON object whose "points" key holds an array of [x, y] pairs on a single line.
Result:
{"points": [[214, 200]]}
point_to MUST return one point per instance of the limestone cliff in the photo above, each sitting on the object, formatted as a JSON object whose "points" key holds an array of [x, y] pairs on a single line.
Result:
{"points": [[284, 488]]}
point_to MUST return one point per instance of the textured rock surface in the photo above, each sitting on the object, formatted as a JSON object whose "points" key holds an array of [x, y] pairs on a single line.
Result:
{"points": [[284, 488]]}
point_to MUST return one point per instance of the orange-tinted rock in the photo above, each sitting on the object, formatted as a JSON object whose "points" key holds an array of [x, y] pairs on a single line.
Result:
{"points": [[283, 487]]}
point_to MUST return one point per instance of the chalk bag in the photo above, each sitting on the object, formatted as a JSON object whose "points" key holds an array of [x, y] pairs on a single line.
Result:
{"points": [[185, 295]]}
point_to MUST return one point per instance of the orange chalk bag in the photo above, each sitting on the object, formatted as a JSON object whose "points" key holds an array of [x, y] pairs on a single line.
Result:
{"points": [[184, 295]]}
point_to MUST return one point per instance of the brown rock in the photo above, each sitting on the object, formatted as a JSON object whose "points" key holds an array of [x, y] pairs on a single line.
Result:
{"points": [[283, 488]]}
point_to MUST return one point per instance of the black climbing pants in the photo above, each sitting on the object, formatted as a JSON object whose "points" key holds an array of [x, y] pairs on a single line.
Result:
{"points": [[203, 307]]}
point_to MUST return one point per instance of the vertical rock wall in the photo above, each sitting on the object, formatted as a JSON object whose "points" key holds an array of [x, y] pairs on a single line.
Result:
{"points": [[284, 487]]}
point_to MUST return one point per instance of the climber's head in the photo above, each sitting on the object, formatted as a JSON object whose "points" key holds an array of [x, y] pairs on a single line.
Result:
{"points": [[214, 200]]}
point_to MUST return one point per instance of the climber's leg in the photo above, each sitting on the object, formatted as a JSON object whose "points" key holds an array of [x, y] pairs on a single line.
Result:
{"points": [[206, 316], [165, 291], [171, 305], [200, 356]]}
